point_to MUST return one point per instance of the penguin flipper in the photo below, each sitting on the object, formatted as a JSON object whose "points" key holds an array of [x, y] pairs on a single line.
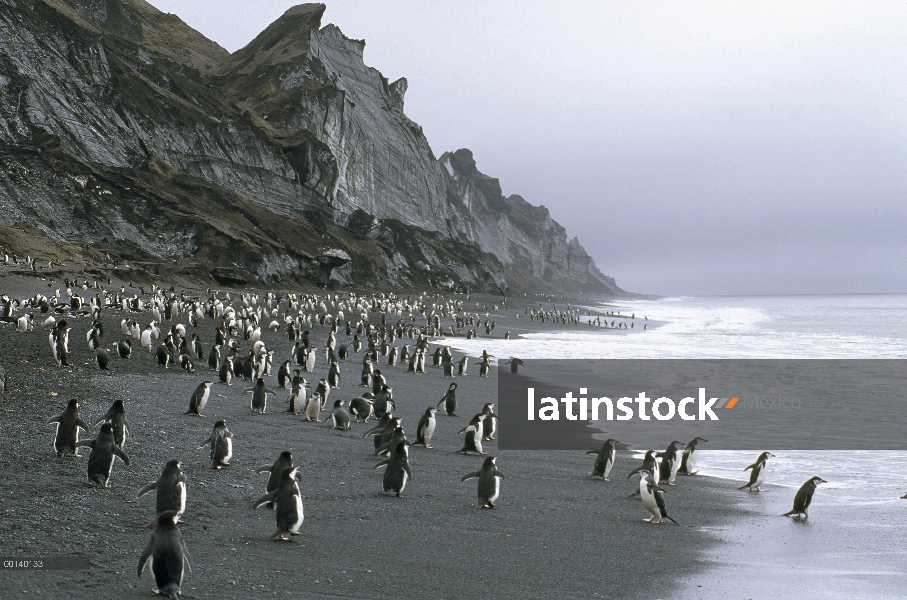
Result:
{"points": [[85, 444], [752, 466], [56, 419], [146, 489], [145, 559], [121, 455], [743, 487], [408, 471], [384, 462], [83, 425], [269, 497], [474, 475], [187, 556], [263, 469], [206, 442], [498, 474]]}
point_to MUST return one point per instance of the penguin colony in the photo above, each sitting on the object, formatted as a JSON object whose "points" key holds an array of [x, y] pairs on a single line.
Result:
{"points": [[239, 351]]}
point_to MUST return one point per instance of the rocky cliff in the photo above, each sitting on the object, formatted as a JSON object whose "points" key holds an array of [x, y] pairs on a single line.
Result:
{"points": [[126, 134]]}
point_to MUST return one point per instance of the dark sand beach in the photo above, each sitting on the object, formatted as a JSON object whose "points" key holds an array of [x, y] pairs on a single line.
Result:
{"points": [[554, 532]]}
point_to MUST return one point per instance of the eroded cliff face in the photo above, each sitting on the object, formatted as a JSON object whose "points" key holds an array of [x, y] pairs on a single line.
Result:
{"points": [[124, 132]]}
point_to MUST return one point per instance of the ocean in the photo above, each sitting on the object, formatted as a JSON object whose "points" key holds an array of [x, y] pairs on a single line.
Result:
{"points": [[858, 507]]}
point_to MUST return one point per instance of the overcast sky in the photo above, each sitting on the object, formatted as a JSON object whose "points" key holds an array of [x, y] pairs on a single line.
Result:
{"points": [[694, 147]]}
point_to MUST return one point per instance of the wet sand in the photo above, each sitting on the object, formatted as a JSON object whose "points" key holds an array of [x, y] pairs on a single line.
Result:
{"points": [[554, 533]]}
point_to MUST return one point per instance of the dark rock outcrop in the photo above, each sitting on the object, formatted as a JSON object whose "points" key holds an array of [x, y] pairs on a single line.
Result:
{"points": [[126, 134]]}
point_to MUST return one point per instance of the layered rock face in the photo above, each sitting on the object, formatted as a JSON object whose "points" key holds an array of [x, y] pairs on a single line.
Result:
{"points": [[125, 133]]}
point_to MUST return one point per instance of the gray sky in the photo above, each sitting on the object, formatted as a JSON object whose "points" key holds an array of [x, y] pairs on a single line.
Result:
{"points": [[694, 147]]}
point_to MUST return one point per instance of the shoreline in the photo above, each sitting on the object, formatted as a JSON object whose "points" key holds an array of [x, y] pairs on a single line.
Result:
{"points": [[555, 533]]}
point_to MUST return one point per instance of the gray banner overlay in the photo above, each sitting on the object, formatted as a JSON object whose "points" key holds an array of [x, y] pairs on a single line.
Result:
{"points": [[734, 404]]}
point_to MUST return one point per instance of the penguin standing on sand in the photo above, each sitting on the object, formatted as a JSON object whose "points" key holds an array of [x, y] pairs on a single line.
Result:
{"points": [[604, 461], [804, 498], [313, 408], [103, 451], [670, 463], [426, 427], [652, 497], [199, 399], [66, 440], [226, 372], [166, 554], [690, 457], [284, 461], [298, 397], [650, 464], [124, 349], [259, 396], [361, 408], [515, 365], [473, 440], [102, 358], [340, 418], [490, 423], [283, 375], [221, 442], [759, 471], [449, 400], [116, 416], [288, 502], [171, 490], [489, 482], [398, 471]]}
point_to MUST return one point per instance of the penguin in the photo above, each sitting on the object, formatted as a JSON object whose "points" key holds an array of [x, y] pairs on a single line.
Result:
{"points": [[426, 427], [310, 361], [515, 365], [449, 400], [284, 461], [124, 348], [322, 390], [759, 471], [221, 442], [383, 402], [448, 368], [288, 502], [461, 366], [199, 399], [397, 436], [103, 451], [284, 378], [489, 482], [116, 416], [166, 554], [490, 423], [214, 357], [102, 358], [650, 464], [226, 372], [803, 498], [297, 399], [473, 439], [340, 418], [163, 356], [690, 456], [186, 363], [398, 471], [259, 396], [361, 408], [605, 459], [386, 423], [485, 367], [670, 463], [652, 497], [313, 408], [171, 490], [66, 440]]}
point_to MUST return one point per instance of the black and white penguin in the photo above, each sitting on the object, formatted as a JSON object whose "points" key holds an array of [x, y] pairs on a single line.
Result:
{"points": [[804, 498], [226, 372], [163, 356], [759, 471], [690, 457], [312, 407], [361, 408], [103, 451], [398, 471], [116, 416], [383, 402], [102, 358], [490, 423], [214, 357], [298, 395], [199, 399], [284, 461], [650, 464], [334, 375], [221, 442], [124, 348], [449, 400], [186, 364], [604, 461], [473, 439], [397, 436], [652, 497], [448, 368], [323, 390], [515, 365], [670, 463], [426, 427], [171, 490], [340, 418], [66, 440], [489, 482], [284, 378], [259, 396], [166, 554], [288, 503], [382, 430]]}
